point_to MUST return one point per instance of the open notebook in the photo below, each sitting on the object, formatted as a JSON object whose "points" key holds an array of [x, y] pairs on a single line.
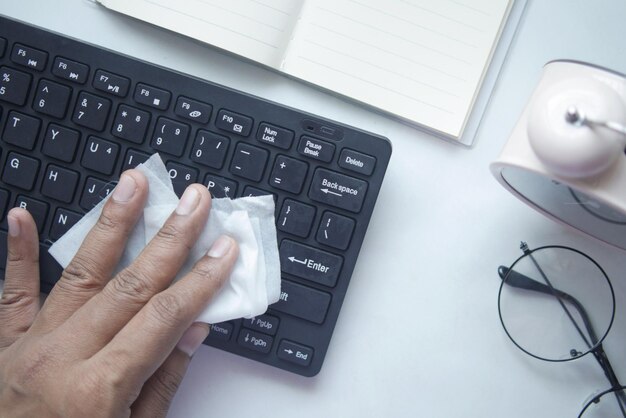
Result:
{"points": [[422, 61]]}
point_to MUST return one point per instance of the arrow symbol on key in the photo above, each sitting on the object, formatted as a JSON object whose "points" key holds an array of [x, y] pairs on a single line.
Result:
{"points": [[288, 351], [295, 260], [331, 192]]}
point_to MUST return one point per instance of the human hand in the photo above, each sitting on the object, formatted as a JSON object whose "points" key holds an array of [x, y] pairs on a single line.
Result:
{"points": [[102, 346]]}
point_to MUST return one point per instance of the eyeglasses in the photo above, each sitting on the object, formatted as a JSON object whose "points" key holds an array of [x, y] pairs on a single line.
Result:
{"points": [[557, 304]]}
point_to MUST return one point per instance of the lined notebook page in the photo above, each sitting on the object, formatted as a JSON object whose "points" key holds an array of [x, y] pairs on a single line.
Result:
{"points": [[421, 60], [256, 29]]}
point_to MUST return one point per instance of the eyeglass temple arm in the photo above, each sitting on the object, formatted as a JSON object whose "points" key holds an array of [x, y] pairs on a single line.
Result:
{"points": [[603, 359], [521, 281]]}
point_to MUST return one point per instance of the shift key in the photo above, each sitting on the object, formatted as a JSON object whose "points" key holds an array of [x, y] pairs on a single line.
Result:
{"points": [[302, 301]]}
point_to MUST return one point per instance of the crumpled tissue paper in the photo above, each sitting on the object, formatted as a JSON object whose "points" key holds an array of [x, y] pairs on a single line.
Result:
{"points": [[255, 280]]}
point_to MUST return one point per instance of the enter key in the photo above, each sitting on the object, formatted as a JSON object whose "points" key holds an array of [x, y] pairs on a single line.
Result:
{"points": [[310, 263]]}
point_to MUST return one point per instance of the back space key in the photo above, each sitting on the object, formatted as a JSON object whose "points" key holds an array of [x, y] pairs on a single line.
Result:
{"points": [[338, 190]]}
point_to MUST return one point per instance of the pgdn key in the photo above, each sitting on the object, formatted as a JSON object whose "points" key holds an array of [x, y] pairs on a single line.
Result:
{"points": [[310, 263]]}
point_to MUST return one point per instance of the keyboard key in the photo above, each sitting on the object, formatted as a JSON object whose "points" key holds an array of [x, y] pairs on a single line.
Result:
{"points": [[251, 191], [3, 46], [309, 263], [60, 142], [338, 190], [134, 158], [111, 83], [255, 341], [221, 331], [181, 176], [152, 96], [170, 137], [275, 135], [91, 111], [210, 149], [266, 324], [335, 230], [130, 124], [295, 353], [288, 174], [193, 110], [52, 98], [296, 218], [14, 86], [21, 130], [4, 200], [62, 222], [357, 161], [29, 57], [20, 171], [249, 162], [234, 122], [70, 70], [94, 191], [302, 302], [37, 208], [220, 187], [100, 155], [316, 149], [59, 183]]}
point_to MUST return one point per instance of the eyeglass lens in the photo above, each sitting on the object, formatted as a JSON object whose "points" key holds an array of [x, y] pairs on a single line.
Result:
{"points": [[609, 404], [556, 303]]}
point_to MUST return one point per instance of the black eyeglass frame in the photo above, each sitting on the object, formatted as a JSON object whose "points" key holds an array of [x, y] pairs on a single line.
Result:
{"points": [[596, 349], [596, 398], [533, 287]]}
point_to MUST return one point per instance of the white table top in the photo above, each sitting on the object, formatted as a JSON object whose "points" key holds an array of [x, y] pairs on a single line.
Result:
{"points": [[419, 333]]}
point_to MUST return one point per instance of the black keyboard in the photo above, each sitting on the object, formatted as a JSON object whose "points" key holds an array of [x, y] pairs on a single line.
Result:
{"points": [[74, 116]]}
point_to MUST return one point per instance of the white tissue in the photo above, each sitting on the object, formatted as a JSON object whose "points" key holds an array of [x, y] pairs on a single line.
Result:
{"points": [[255, 281]]}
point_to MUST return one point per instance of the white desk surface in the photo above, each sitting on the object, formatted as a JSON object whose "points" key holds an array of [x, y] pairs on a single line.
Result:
{"points": [[419, 333]]}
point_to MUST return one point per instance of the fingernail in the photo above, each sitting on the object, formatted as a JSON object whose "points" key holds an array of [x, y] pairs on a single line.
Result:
{"points": [[188, 202], [193, 337], [220, 247], [125, 189], [14, 225]]}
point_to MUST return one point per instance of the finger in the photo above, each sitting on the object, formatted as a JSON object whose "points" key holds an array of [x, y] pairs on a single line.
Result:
{"points": [[92, 266], [157, 393], [19, 303], [145, 342], [153, 270]]}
